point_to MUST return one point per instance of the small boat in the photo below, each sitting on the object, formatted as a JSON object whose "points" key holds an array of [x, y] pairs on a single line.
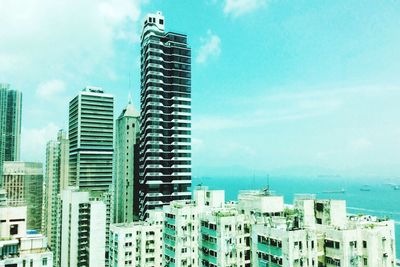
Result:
{"points": [[341, 191], [396, 187], [365, 188]]}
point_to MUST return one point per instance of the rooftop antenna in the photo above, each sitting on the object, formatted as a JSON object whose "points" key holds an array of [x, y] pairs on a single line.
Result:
{"points": [[129, 97], [129, 77], [267, 189]]}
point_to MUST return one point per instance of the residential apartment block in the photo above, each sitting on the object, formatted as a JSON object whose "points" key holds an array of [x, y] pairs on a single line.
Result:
{"points": [[138, 243], [83, 230], [56, 180], [261, 230], [165, 141], [17, 247]]}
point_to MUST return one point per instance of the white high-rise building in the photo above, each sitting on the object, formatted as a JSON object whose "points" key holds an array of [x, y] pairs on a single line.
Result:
{"points": [[280, 245], [258, 230], [348, 240], [83, 231], [182, 226], [138, 243], [225, 238], [126, 161], [165, 141], [56, 177], [181, 234]]}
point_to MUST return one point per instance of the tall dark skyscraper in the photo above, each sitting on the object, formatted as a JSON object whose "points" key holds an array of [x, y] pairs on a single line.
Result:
{"points": [[165, 143], [10, 124]]}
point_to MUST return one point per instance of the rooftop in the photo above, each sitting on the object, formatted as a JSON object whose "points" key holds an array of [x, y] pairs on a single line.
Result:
{"points": [[93, 89]]}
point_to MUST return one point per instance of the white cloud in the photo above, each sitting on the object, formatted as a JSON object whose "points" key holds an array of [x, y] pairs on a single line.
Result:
{"points": [[240, 7], [33, 141], [77, 42], [211, 47], [261, 111], [50, 90], [67, 37]]}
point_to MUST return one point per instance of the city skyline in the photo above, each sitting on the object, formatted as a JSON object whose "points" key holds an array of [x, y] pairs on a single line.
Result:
{"points": [[270, 90], [329, 68]]}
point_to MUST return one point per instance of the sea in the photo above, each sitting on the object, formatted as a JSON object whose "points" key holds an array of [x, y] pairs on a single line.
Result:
{"points": [[363, 195]]}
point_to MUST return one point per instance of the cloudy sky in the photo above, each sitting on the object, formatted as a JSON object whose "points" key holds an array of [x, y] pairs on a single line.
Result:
{"points": [[278, 86]]}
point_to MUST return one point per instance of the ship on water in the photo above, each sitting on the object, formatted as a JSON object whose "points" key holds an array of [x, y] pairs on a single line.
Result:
{"points": [[394, 186], [340, 191], [365, 188]]}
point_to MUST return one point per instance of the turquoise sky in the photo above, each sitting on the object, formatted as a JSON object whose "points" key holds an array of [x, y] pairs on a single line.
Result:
{"points": [[281, 87]]}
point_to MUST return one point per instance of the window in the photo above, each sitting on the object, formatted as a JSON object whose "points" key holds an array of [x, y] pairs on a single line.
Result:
{"points": [[365, 261], [161, 21], [319, 207], [13, 229], [332, 244], [364, 244], [332, 261], [44, 262]]}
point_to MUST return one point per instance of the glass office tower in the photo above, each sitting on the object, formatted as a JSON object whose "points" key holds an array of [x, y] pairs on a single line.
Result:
{"points": [[91, 126], [10, 124]]}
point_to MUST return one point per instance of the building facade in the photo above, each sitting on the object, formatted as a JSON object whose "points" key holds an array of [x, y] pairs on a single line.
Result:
{"points": [[23, 182], [17, 248], [225, 238], [126, 160], [138, 243], [182, 236], [91, 126], [10, 124], [257, 230], [348, 240], [12, 221], [165, 144], [56, 177], [83, 230]]}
